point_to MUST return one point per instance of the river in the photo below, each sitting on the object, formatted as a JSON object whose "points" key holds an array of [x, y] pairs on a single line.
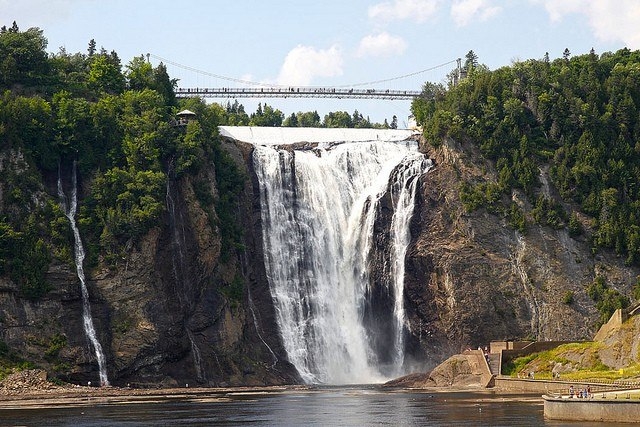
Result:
{"points": [[331, 406]]}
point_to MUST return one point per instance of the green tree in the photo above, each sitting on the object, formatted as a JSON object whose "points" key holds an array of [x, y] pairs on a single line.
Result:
{"points": [[577, 116], [236, 115], [105, 75], [23, 57], [91, 49], [575, 227], [471, 61], [127, 204], [189, 148], [73, 124], [139, 74], [291, 121], [165, 85], [309, 119], [607, 300], [337, 119], [266, 116], [145, 125]]}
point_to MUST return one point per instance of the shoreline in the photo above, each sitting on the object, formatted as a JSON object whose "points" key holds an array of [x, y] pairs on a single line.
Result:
{"points": [[30, 389], [87, 396], [79, 396]]}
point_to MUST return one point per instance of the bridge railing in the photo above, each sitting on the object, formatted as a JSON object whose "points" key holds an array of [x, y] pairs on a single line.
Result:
{"points": [[296, 92]]}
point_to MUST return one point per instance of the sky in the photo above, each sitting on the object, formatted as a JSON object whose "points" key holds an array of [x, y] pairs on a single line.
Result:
{"points": [[329, 43]]}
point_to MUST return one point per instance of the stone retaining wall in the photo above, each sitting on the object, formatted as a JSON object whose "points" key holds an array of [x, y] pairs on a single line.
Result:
{"points": [[609, 410], [548, 386]]}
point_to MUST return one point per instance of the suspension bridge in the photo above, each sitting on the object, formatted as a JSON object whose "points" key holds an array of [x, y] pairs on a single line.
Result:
{"points": [[238, 88], [296, 92]]}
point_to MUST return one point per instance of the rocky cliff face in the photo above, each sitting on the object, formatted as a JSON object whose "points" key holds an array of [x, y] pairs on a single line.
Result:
{"points": [[163, 313], [165, 316], [472, 279]]}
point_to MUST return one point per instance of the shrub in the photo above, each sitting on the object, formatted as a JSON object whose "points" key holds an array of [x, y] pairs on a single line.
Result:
{"points": [[567, 298]]}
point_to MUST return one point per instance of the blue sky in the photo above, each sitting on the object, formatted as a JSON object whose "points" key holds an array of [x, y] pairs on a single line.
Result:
{"points": [[329, 42]]}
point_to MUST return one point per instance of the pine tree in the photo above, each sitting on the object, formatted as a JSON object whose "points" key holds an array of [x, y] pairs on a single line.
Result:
{"points": [[92, 47], [471, 61]]}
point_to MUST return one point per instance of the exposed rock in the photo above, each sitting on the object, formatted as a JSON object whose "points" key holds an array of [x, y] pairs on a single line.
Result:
{"points": [[416, 380], [160, 311], [472, 279], [458, 371], [26, 382]]}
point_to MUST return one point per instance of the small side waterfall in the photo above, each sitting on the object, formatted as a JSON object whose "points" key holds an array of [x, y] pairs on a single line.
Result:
{"points": [[403, 192], [519, 268], [70, 209], [182, 281], [318, 213]]}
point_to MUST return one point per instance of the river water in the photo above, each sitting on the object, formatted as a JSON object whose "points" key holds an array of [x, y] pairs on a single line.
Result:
{"points": [[344, 406]]}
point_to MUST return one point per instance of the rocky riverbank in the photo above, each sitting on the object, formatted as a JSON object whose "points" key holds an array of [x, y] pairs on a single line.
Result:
{"points": [[32, 389]]}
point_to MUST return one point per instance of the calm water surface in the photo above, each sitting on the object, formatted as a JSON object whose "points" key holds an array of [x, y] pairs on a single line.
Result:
{"points": [[318, 407]]}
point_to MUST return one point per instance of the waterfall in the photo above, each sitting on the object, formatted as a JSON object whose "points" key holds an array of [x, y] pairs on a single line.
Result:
{"points": [[87, 321], [179, 270], [403, 191], [318, 210]]}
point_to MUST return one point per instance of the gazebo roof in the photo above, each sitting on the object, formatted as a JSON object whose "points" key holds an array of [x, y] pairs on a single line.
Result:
{"points": [[186, 113]]}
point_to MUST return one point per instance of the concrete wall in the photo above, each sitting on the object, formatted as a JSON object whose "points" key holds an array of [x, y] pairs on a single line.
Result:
{"points": [[616, 321], [531, 386], [518, 385], [479, 367], [610, 410], [498, 346], [534, 347]]}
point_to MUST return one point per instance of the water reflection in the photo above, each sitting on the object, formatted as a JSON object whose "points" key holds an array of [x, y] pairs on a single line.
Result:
{"points": [[318, 407]]}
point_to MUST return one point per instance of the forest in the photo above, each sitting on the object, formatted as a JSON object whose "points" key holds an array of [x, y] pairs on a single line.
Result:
{"points": [[577, 115], [117, 122]]}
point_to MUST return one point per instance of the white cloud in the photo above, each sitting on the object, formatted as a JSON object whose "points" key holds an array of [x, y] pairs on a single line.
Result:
{"points": [[398, 10], [28, 13], [463, 11], [557, 9], [303, 63], [610, 20], [383, 44]]}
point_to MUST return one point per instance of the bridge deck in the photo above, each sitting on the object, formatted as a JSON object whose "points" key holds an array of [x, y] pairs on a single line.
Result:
{"points": [[296, 92]]}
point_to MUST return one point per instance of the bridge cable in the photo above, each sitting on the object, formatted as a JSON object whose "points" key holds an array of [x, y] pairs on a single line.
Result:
{"points": [[400, 77], [251, 83]]}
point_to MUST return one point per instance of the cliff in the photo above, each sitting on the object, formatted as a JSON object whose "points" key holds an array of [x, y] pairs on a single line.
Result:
{"points": [[173, 310], [471, 278], [169, 312]]}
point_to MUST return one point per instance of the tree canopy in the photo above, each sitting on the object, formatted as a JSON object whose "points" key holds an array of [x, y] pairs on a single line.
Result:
{"points": [[118, 124], [577, 115]]}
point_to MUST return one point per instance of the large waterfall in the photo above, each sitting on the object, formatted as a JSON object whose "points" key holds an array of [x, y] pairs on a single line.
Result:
{"points": [[70, 209], [319, 209]]}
